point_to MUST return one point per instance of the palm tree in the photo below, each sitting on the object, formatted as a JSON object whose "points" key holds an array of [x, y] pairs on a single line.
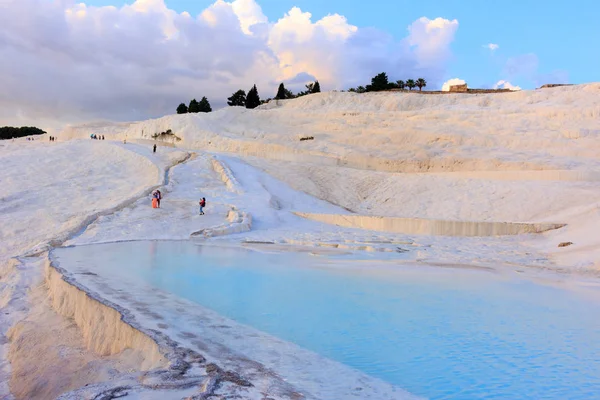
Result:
{"points": [[421, 83], [401, 84], [410, 84]]}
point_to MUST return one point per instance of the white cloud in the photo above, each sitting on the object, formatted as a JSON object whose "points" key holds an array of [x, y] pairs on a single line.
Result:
{"points": [[505, 85], [491, 46], [249, 14], [432, 38], [452, 82], [68, 61]]}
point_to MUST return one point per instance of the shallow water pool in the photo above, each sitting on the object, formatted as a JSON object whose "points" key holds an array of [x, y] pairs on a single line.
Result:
{"points": [[438, 333]]}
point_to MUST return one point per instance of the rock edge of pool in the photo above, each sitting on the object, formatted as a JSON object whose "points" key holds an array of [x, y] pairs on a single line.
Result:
{"points": [[170, 368]]}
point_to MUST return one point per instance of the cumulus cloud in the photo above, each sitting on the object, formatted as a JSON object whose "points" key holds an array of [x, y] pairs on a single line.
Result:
{"points": [[432, 38], [505, 85], [491, 46], [452, 82], [68, 61]]}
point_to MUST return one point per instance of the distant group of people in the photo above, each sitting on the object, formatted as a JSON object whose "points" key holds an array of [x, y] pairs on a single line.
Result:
{"points": [[97, 137], [52, 139], [29, 138], [157, 196]]}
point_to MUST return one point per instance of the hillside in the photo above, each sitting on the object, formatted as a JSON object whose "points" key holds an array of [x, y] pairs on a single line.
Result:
{"points": [[528, 156], [399, 132]]}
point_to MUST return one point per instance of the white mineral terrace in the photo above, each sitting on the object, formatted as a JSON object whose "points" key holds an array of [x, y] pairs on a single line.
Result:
{"points": [[479, 181]]}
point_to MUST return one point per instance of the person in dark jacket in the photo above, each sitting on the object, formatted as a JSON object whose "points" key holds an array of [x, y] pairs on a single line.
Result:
{"points": [[202, 205]]}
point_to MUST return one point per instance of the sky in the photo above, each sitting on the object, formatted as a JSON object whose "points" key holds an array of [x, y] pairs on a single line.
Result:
{"points": [[70, 62]]}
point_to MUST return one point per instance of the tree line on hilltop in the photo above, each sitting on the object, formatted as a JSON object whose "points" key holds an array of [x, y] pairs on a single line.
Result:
{"points": [[250, 100], [195, 106], [9, 132], [380, 82]]}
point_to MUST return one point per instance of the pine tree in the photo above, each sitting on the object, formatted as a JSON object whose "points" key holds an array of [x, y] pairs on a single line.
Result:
{"points": [[182, 109], [289, 94], [378, 82], [194, 107], [280, 92], [204, 105], [237, 99], [316, 88], [253, 99]]}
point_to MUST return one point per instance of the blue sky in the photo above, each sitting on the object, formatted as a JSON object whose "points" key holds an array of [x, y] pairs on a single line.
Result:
{"points": [[563, 35]]}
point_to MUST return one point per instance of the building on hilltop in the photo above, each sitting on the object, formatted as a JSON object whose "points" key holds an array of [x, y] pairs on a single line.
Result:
{"points": [[465, 89], [459, 88]]}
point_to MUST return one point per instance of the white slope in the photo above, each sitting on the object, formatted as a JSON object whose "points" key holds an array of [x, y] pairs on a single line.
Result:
{"points": [[55, 187], [50, 192], [51, 189], [527, 156], [505, 196], [404, 132]]}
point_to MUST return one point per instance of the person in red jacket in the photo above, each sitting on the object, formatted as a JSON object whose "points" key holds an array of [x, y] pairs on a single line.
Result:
{"points": [[202, 205]]}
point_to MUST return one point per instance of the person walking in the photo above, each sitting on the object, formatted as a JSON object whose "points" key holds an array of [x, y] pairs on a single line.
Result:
{"points": [[156, 196], [202, 205], [154, 148]]}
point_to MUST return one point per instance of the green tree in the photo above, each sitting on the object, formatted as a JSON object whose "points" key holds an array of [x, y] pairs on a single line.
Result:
{"points": [[281, 94], [378, 82], [421, 83], [361, 89], [237, 99], [194, 107], [9, 132], [410, 84], [204, 105], [313, 87], [182, 109], [316, 88], [400, 84], [253, 99], [289, 94]]}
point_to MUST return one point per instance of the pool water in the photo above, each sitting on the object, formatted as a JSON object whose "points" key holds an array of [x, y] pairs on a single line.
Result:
{"points": [[437, 333]]}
